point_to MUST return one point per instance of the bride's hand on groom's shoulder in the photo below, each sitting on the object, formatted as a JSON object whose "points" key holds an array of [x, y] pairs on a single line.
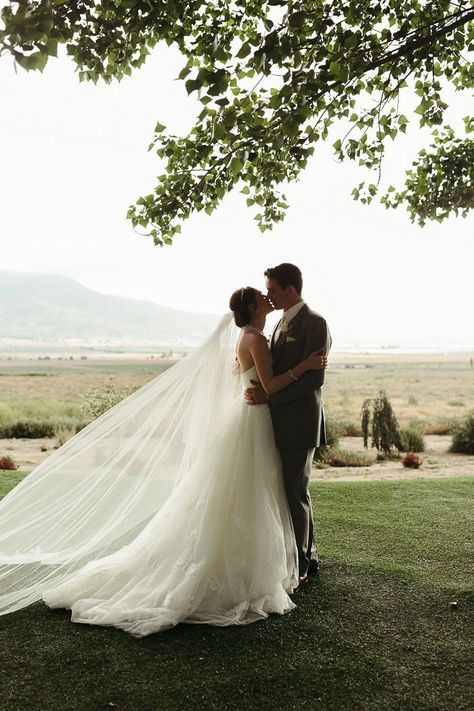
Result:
{"points": [[255, 395]]}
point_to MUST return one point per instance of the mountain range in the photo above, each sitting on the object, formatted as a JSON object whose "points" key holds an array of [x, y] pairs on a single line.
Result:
{"points": [[49, 307]]}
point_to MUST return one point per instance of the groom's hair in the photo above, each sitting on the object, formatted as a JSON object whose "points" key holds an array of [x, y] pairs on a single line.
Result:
{"points": [[286, 275]]}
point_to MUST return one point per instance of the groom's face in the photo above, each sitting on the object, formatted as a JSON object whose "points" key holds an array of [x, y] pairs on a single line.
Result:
{"points": [[278, 296]]}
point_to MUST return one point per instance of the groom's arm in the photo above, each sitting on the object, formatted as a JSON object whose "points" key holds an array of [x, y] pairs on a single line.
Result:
{"points": [[317, 338]]}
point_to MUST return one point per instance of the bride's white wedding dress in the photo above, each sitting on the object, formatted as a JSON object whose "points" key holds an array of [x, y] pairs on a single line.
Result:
{"points": [[220, 550], [167, 508]]}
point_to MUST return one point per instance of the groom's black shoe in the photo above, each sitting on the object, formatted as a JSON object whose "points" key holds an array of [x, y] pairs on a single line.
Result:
{"points": [[301, 584], [314, 566]]}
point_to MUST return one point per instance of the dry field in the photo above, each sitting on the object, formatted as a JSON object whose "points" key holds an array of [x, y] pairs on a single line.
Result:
{"points": [[70, 380], [423, 387], [427, 388], [432, 390]]}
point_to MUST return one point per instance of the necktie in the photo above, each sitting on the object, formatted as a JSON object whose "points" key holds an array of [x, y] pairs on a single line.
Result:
{"points": [[282, 328]]}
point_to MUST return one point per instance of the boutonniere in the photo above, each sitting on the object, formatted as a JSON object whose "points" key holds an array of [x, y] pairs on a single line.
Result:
{"points": [[290, 339], [284, 326]]}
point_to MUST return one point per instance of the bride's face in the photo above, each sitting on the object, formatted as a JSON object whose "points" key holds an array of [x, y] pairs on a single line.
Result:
{"points": [[264, 305]]}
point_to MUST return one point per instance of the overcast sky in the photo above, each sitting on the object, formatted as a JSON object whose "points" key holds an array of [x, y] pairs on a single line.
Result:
{"points": [[74, 157]]}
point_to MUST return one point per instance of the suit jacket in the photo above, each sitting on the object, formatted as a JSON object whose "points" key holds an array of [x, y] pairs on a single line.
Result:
{"points": [[297, 410]]}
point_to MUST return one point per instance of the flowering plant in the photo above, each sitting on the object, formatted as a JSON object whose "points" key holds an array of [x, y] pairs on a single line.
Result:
{"points": [[7, 463], [411, 461]]}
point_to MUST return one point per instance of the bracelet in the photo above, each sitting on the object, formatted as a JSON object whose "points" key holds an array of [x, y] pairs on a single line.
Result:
{"points": [[290, 372]]}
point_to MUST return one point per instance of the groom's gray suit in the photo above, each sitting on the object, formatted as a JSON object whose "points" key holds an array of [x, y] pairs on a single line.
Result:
{"points": [[298, 419]]}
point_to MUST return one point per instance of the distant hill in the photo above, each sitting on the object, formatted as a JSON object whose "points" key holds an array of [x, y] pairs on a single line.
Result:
{"points": [[56, 308]]}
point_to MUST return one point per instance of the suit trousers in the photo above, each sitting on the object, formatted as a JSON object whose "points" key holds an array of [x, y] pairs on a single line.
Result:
{"points": [[296, 473]]}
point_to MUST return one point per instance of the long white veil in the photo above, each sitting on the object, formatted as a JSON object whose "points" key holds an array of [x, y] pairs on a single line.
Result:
{"points": [[98, 491]]}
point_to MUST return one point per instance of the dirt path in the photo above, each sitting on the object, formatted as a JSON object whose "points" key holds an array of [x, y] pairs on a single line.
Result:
{"points": [[437, 462]]}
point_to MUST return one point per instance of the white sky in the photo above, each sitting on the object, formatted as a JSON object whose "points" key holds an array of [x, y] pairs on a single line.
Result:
{"points": [[74, 157]]}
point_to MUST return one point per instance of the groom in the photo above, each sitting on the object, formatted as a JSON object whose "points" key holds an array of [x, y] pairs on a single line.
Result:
{"points": [[297, 410]]}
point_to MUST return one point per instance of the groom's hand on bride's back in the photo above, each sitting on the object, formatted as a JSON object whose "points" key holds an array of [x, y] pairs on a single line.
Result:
{"points": [[255, 395]]}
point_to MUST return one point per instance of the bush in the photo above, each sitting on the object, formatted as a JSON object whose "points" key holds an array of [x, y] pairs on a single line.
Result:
{"points": [[411, 461], [412, 440], [36, 429], [63, 434], [27, 429], [8, 463], [100, 400], [463, 436], [347, 458], [349, 429], [444, 427]]}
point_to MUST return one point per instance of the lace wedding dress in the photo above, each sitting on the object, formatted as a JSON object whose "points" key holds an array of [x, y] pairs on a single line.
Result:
{"points": [[167, 508], [220, 551]]}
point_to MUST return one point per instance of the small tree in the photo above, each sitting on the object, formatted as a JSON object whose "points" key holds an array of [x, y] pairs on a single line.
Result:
{"points": [[378, 419], [276, 79]]}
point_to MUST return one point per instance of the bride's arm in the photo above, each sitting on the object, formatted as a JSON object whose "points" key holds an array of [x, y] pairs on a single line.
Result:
{"points": [[273, 383]]}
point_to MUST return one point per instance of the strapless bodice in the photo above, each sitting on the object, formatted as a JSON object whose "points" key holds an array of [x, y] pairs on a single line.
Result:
{"points": [[247, 376]]}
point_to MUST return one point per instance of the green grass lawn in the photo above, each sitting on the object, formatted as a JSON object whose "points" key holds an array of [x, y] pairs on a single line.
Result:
{"points": [[373, 630]]}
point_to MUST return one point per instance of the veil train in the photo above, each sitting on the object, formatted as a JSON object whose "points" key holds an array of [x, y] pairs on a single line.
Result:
{"points": [[98, 491]]}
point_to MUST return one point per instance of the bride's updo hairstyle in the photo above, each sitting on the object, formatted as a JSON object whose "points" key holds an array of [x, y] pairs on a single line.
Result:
{"points": [[239, 305]]}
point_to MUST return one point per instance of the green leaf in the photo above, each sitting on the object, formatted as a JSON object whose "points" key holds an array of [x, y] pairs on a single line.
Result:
{"points": [[351, 41], [339, 71], [297, 19], [244, 50], [192, 85], [52, 47], [235, 166], [423, 106]]}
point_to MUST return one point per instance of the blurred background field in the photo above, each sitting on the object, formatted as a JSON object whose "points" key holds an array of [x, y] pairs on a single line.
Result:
{"points": [[431, 391]]}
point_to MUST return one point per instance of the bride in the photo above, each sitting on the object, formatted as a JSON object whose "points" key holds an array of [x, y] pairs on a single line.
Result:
{"points": [[169, 507]]}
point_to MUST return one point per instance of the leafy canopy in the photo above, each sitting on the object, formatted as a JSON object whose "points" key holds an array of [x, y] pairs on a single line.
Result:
{"points": [[272, 78]]}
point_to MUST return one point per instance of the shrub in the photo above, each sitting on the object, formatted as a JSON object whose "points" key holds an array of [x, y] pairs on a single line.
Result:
{"points": [[100, 400], [63, 434], [439, 428], [412, 440], [27, 429], [8, 463], [36, 429], [379, 419], [463, 436], [349, 429], [412, 400], [411, 461], [347, 458]]}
